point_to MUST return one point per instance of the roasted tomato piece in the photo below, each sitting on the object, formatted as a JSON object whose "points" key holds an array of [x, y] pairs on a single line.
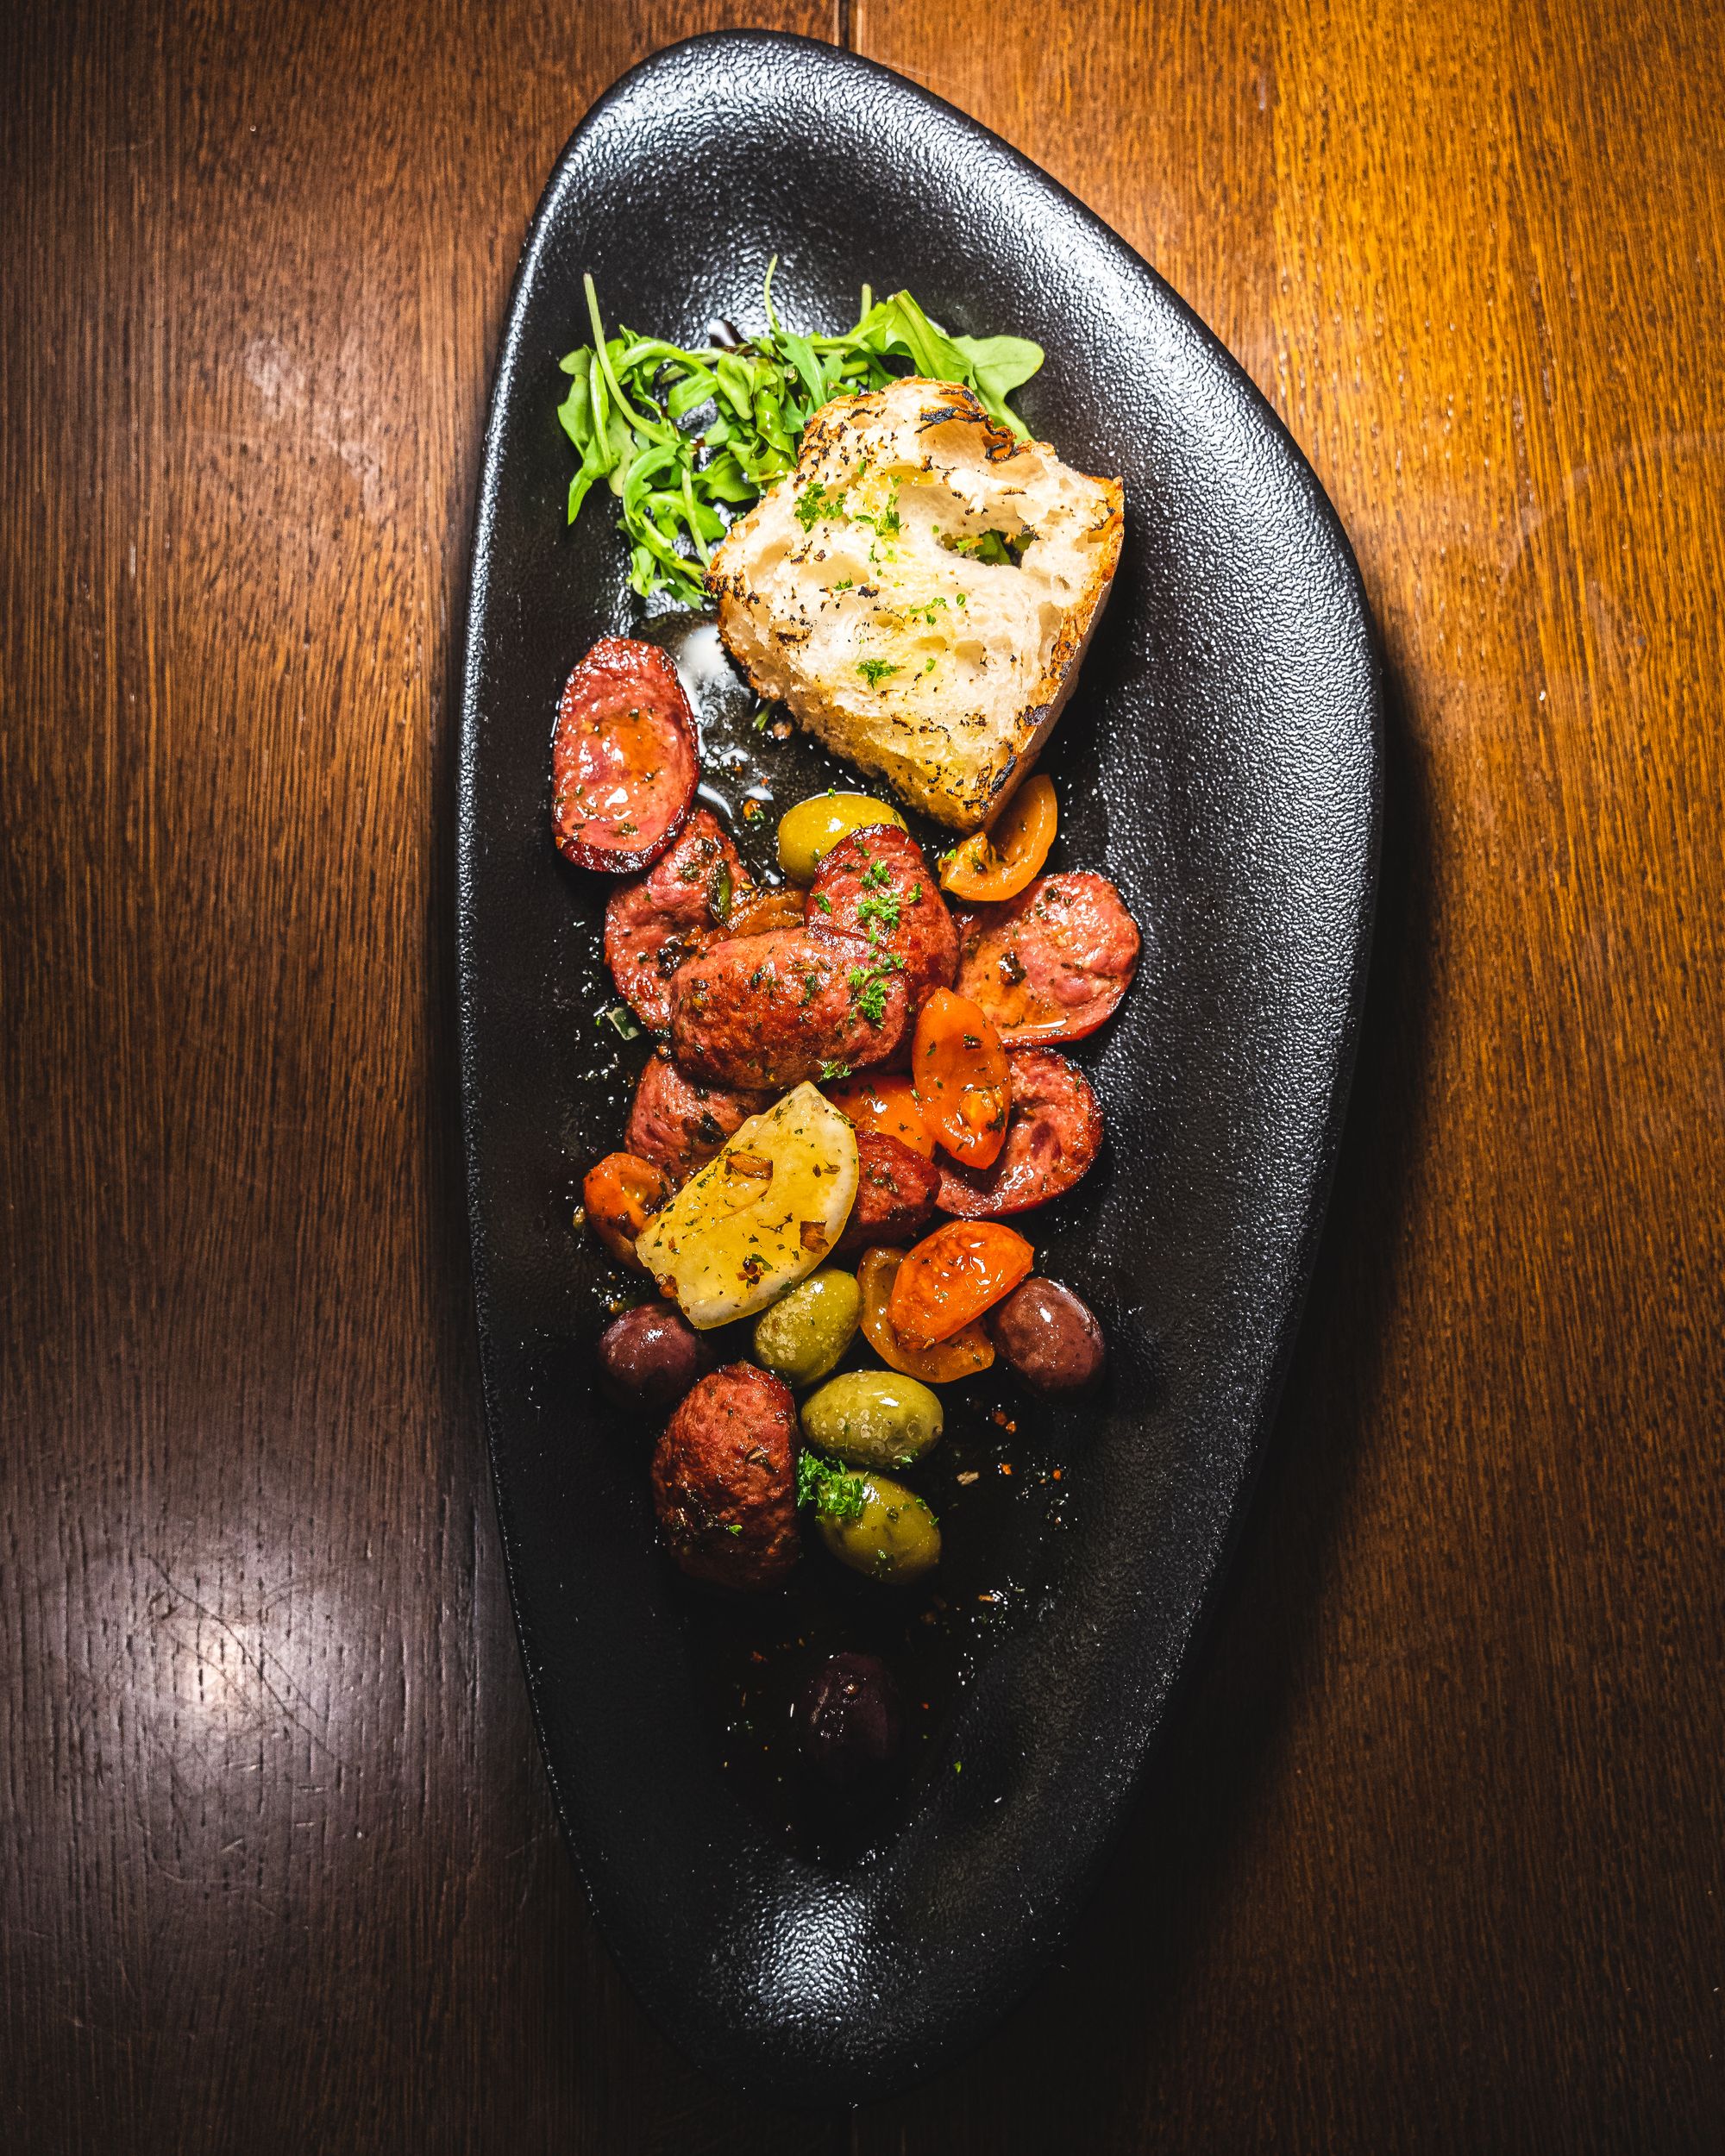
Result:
{"points": [[952, 1276], [963, 1083], [884, 1103], [624, 760], [998, 862], [621, 1194], [961, 1355], [760, 912]]}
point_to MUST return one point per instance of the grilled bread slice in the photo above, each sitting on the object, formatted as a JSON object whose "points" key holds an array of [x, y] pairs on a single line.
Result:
{"points": [[920, 591]]}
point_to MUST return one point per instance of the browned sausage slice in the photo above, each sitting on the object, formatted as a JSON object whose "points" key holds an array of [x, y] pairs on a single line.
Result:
{"points": [[1050, 964], [724, 1479], [771, 1011], [875, 886], [895, 1192], [1053, 1133], [678, 1123], [656, 921], [623, 758]]}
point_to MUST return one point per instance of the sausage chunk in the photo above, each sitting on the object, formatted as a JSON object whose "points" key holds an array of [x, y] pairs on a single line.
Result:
{"points": [[895, 1192], [1050, 964], [1054, 1132], [679, 1122], [771, 1011], [875, 886], [653, 924], [623, 758], [724, 1479]]}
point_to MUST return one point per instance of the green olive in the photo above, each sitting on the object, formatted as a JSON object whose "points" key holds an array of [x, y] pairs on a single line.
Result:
{"points": [[807, 832], [889, 1534], [803, 1334], [873, 1419]]}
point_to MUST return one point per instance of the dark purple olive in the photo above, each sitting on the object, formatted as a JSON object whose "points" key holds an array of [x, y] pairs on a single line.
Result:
{"points": [[650, 1357], [1049, 1337], [851, 1719]]}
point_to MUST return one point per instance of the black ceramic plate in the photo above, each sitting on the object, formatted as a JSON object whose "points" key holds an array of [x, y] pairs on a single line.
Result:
{"points": [[1219, 761]]}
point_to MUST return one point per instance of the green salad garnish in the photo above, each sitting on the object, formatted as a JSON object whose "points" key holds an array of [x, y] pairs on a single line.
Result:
{"points": [[689, 439]]}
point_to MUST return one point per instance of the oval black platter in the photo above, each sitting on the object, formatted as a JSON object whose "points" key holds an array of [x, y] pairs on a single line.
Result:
{"points": [[1219, 760]]}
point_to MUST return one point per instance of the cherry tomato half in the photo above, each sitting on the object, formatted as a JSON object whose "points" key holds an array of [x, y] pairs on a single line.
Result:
{"points": [[885, 1104], [761, 912], [963, 1082], [952, 1276], [967, 1350], [998, 862], [621, 1194]]}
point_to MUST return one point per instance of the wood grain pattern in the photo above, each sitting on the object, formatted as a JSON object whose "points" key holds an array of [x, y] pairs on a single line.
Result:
{"points": [[1433, 1859]]}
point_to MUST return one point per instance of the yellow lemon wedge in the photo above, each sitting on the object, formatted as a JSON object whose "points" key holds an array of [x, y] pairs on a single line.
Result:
{"points": [[758, 1217]]}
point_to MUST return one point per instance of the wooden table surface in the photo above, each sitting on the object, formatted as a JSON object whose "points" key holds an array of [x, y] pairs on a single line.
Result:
{"points": [[1433, 1860]]}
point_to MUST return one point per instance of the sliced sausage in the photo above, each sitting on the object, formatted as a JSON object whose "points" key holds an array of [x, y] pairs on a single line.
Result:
{"points": [[1050, 964], [895, 1192], [724, 1479], [653, 924], [1053, 1133], [875, 886], [623, 758], [770, 1011], [679, 1122]]}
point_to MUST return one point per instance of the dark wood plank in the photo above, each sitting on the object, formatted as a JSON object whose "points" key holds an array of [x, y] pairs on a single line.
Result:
{"points": [[280, 1866], [1434, 1859]]}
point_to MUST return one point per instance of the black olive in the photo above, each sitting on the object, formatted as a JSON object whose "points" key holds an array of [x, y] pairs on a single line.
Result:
{"points": [[650, 1357], [851, 1721], [1049, 1337]]}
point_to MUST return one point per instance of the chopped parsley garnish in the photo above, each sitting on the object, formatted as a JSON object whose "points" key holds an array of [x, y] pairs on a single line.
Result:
{"points": [[830, 1071], [881, 906], [822, 901], [834, 1495], [875, 671], [622, 1020], [868, 986], [815, 502], [886, 522], [846, 585], [876, 876]]}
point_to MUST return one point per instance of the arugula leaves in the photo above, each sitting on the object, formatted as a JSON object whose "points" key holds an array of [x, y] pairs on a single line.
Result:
{"points": [[686, 438]]}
